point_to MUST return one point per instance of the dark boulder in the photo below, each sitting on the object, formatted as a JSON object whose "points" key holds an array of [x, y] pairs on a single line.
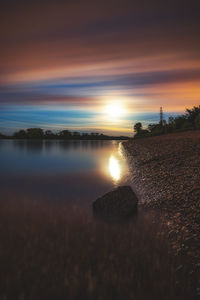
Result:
{"points": [[121, 202]]}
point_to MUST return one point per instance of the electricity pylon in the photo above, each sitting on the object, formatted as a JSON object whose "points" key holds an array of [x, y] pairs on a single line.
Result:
{"points": [[161, 116]]}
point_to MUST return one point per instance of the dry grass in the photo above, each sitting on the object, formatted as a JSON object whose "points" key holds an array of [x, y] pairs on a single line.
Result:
{"points": [[53, 251]]}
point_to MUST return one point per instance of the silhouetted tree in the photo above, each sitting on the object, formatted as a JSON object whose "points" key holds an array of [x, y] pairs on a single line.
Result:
{"points": [[21, 134], [137, 127], [188, 121], [84, 134], [179, 121], [197, 122], [192, 114], [76, 134], [139, 131], [65, 134], [49, 134], [35, 133], [2, 136], [38, 133]]}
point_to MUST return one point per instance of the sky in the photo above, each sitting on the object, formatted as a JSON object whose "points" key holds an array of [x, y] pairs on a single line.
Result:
{"points": [[97, 66]]}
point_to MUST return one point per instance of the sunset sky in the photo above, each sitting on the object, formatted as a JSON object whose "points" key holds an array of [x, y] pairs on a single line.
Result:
{"points": [[70, 64]]}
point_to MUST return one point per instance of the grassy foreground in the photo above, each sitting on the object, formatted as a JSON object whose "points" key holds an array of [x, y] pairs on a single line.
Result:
{"points": [[59, 252]]}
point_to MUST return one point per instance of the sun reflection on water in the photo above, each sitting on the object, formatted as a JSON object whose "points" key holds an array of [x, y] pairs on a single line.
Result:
{"points": [[114, 168]]}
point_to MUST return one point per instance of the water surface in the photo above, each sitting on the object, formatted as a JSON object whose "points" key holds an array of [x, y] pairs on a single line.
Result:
{"points": [[57, 170]]}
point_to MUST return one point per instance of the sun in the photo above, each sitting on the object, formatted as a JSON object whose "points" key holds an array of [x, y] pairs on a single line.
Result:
{"points": [[115, 110]]}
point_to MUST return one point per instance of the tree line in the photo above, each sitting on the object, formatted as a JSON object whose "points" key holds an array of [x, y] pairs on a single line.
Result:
{"points": [[38, 133], [188, 121]]}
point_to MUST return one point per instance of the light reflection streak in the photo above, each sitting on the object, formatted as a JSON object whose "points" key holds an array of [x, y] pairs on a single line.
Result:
{"points": [[114, 168]]}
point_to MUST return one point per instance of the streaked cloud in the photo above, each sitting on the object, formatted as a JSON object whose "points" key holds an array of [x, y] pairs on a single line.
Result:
{"points": [[77, 56]]}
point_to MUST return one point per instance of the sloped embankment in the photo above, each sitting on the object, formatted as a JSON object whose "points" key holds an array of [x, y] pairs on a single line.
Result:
{"points": [[166, 174]]}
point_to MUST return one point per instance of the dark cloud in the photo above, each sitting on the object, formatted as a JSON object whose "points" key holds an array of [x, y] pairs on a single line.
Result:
{"points": [[69, 90]]}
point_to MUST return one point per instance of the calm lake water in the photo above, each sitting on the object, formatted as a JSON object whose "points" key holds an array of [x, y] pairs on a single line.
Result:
{"points": [[74, 171]]}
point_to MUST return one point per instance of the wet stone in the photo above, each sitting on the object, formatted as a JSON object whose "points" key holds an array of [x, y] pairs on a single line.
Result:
{"points": [[121, 203]]}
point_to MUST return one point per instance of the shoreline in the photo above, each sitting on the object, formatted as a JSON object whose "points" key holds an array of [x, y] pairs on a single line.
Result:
{"points": [[79, 138], [166, 175]]}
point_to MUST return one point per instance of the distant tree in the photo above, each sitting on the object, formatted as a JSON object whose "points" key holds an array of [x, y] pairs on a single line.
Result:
{"points": [[155, 129], [84, 135], [66, 134], [192, 114], [35, 133], [21, 134], [179, 121], [76, 134], [139, 131], [38, 133], [186, 125], [2, 136], [137, 127], [197, 122], [49, 134], [152, 127], [170, 126], [188, 121], [170, 120]]}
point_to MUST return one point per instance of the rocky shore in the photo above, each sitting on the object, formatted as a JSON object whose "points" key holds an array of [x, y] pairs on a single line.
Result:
{"points": [[166, 175]]}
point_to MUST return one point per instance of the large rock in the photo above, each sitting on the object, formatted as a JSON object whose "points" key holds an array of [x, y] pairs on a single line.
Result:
{"points": [[121, 202]]}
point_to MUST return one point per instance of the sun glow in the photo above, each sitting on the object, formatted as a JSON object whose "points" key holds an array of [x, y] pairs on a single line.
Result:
{"points": [[115, 110], [114, 168]]}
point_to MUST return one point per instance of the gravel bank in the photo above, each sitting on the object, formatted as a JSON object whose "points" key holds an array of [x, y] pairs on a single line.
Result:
{"points": [[166, 174]]}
